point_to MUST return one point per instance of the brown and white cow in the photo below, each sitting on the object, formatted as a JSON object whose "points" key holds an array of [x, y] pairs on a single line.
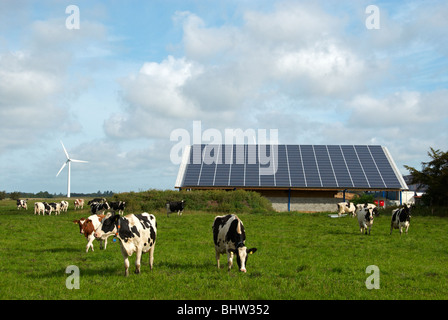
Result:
{"points": [[136, 232], [229, 237], [79, 203], [88, 226]]}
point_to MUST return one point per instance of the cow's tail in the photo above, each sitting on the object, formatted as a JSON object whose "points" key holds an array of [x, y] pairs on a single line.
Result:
{"points": [[238, 228]]}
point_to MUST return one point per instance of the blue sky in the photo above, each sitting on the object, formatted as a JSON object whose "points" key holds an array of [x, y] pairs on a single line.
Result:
{"points": [[135, 71]]}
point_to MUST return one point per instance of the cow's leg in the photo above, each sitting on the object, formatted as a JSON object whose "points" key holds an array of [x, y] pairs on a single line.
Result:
{"points": [[105, 243], [229, 259], [151, 256], [90, 242], [126, 261], [138, 259], [407, 227], [217, 255]]}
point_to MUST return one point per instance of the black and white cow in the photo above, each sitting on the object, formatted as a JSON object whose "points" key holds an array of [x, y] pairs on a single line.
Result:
{"points": [[64, 205], [175, 206], [99, 200], [361, 206], [56, 207], [365, 219], [118, 206], [229, 237], [21, 204], [401, 218], [99, 208], [136, 232], [48, 208]]}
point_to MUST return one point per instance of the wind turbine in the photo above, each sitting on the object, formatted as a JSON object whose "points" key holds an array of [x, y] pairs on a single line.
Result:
{"points": [[65, 163]]}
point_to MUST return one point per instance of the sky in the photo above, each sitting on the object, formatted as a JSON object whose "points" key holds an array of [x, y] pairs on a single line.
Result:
{"points": [[115, 80]]}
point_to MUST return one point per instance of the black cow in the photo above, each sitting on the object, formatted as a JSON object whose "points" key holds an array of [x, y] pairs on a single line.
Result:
{"points": [[118, 206], [173, 206], [229, 237], [401, 218], [99, 208]]}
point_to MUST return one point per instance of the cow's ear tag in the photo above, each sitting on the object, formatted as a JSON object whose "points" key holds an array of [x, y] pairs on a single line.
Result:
{"points": [[251, 252]]}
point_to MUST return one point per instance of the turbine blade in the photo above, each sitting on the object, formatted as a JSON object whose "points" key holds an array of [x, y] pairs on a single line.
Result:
{"points": [[66, 153], [65, 163], [74, 160]]}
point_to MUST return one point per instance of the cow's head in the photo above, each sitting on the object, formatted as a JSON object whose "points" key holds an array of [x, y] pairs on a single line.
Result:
{"points": [[108, 226], [242, 254], [80, 222], [369, 214], [407, 212]]}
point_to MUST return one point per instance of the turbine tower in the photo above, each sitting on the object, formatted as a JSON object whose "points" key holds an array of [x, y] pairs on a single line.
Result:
{"points": [[65, 163]]}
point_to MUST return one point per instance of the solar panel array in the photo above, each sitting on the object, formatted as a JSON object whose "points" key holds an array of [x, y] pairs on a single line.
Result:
{"points": [[291, 166]]}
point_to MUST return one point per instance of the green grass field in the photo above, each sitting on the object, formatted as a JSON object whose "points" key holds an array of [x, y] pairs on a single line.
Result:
{"points": [[300, 256]]}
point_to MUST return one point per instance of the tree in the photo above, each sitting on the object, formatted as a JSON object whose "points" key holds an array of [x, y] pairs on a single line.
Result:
{"points": [[434, 175]]}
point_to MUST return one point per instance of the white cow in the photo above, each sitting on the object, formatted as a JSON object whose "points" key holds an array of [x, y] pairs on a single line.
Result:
{"points": [[346, 207], [64, 205], [39, 207]]}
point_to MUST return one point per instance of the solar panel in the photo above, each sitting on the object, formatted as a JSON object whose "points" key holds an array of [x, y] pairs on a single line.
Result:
{"points": [[292, 166]]}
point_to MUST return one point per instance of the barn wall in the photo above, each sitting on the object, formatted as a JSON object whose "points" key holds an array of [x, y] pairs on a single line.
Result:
{"points": [[305, 204], [307, 201]]}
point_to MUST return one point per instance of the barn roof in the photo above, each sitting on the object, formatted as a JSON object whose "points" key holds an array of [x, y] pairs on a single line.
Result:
{"points": [[307, 167]]}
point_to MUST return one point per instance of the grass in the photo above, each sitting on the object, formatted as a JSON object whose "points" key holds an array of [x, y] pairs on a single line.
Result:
{"points": [[300, 256]]}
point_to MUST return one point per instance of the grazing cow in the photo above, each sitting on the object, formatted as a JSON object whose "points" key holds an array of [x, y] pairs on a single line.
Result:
{"points": [[118, 206], [346, 207], [365, 219], [22, 204], [401, 218], [39, 207], [229, 237], [98, 208], [88, 226], [56, 207], [79, 204], [64, 205], [175, 206], [136, 232], [48, 208], [99, 200]]}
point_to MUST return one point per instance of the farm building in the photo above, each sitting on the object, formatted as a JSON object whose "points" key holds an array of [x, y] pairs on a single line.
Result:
{"points": [[292, 177]]}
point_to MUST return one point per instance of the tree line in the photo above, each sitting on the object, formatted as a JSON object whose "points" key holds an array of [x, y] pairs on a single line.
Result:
{"points": [[45, 194]]}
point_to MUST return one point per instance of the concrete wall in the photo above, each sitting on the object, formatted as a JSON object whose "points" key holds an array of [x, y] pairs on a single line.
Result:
{"points": [[302, 200], [305, 204]]}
